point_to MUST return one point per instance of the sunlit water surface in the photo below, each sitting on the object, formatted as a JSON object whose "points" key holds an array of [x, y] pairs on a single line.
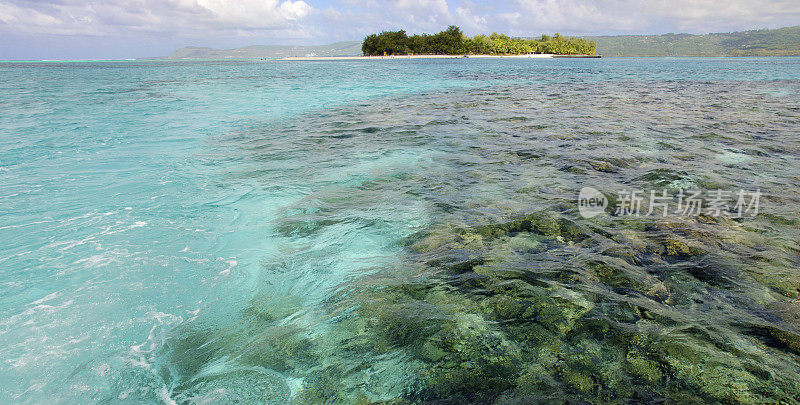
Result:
{"points": [[363, 231]]}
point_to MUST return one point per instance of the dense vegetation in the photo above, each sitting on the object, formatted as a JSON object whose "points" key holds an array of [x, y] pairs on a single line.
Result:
{"points": [[774, 42], [453, 42]]}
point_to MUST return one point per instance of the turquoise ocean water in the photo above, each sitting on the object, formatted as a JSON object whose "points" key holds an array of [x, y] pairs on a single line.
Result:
{"points": [[220, 230]]}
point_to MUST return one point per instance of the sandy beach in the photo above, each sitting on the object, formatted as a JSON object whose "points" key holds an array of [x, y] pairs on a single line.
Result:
{"points": [[526, 56]]}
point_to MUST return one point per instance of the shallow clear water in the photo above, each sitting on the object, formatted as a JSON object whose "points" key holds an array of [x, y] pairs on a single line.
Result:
{"points": [[344, 231]]}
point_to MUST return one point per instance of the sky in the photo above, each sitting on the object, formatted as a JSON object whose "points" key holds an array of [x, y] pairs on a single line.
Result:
{"points": [[118, 29]]}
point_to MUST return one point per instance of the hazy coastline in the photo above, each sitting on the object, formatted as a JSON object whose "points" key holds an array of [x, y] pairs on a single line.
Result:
{"points": [[526, 56]]}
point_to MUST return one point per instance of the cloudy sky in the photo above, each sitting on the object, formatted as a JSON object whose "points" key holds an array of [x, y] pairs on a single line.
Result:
{"points": [[77, 29]]}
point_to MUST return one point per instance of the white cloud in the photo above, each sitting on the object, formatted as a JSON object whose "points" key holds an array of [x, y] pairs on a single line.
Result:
{"points": [[705, 15], [418, 14], [295, 10], [110, 17], [642, 16]]}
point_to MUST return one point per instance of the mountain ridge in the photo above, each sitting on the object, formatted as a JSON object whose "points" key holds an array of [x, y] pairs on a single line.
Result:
{"points": [[764, 42]]}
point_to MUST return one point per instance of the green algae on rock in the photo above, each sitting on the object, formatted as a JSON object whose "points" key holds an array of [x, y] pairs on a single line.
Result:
{"points": [[507, 335]]}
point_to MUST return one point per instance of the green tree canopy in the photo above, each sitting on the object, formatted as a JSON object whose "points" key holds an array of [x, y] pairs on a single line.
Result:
{"points": [[452, 41]]}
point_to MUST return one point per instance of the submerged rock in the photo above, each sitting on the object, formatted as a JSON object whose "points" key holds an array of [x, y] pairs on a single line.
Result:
{"points": [[538, 308], [546, 309]]}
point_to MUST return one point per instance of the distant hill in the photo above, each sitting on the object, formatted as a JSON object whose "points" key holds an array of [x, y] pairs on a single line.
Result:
{"points": [[774, 42], [351, 48]]}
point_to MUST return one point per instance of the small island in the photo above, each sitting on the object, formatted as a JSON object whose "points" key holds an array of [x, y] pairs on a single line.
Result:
{"points": [[452, 41]]}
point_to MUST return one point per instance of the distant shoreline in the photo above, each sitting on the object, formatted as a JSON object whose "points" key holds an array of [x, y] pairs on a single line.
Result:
{"points": [[389, 57]]}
